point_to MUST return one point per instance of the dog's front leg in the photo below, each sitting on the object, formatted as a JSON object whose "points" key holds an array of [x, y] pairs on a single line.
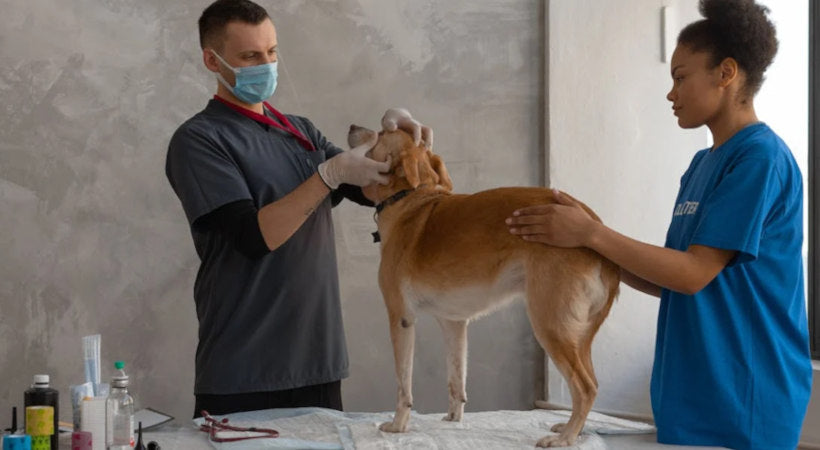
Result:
{"points": [[455, 336], [403, 335]]}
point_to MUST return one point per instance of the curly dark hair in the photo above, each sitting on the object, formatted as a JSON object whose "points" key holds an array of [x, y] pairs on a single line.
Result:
{"points": [[216, 17], [738, 29]]}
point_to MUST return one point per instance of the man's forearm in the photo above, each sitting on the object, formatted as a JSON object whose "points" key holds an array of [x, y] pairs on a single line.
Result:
{"points": [[280, 219]]}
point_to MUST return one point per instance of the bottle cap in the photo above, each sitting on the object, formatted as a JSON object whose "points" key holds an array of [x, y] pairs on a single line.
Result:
{"points": [[41, 379], [120, 379]]}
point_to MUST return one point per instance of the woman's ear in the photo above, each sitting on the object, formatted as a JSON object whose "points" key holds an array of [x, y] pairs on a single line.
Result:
{"points": [[728, 71]]}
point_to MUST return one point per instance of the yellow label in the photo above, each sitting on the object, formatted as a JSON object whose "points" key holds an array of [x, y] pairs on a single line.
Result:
{"points": [[40, 420]]}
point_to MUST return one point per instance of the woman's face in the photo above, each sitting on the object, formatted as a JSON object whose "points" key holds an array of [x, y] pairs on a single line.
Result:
{"points": [[697, 95]]}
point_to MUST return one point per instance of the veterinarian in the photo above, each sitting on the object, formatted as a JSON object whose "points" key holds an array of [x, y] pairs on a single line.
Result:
{"points": [[732, 365], [257, 187]]}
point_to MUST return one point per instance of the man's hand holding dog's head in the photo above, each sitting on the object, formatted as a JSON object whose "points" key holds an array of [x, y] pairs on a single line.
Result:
{"points": [[400, 118], [353, 167]]}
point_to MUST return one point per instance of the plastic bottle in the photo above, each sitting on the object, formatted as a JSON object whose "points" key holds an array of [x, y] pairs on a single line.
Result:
{"points": [[119, 412], [40, 394]]}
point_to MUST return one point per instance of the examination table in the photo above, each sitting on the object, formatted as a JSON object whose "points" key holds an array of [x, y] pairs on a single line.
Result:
{"points": [[323, 429]]}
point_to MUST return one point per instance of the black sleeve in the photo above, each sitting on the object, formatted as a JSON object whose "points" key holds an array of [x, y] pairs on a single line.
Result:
{"points": [[238, 222], [350, 192]]}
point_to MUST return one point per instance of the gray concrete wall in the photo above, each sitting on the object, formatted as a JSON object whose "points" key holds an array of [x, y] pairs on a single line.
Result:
{"points": [[94, 241]]}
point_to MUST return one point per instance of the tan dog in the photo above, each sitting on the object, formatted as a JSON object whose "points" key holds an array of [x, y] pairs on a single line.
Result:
{"points": [[452, 256]]}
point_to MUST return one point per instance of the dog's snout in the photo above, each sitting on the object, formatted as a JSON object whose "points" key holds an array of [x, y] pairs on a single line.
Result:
{"points": [[354, 127]]}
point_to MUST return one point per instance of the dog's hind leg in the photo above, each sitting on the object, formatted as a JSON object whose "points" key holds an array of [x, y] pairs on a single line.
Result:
{"points": [[455, 336], [562, 311], [403, 336], [583, 389]]}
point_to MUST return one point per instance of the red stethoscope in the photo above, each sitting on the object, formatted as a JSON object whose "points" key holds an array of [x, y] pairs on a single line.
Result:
{"points": [[213, 427]]}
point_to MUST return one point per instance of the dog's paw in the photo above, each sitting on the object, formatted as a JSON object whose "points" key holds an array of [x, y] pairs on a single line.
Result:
{"points": [[558, 427], [452, 417], [390, 427], [554, 441]]}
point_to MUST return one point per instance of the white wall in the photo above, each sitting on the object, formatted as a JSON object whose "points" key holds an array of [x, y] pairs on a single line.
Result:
{"points": [[783, 101], [615, 144]]}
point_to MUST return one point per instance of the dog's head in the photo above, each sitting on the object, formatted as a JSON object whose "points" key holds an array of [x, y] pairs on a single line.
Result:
{"points": [[411, 166]]}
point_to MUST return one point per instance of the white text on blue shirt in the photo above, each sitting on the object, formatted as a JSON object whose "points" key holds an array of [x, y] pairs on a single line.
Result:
{"points": [[686, 208]]}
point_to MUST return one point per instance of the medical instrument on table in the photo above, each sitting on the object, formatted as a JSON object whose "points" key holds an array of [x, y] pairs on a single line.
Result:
{"points": [[213, 426], [13, 428], [139, 445]]}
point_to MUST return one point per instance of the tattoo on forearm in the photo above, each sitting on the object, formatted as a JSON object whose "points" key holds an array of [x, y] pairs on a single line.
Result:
{"points": [[312, 209]]}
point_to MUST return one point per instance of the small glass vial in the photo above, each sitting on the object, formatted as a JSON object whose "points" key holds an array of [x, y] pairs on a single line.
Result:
{"points": [[119, 412]]}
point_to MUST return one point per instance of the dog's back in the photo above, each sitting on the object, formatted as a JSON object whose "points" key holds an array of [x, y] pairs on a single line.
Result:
{"points": [[455, 243]]}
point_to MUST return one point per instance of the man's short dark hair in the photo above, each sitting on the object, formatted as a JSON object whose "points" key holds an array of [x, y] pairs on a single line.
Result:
{"points": [[216, 17]]}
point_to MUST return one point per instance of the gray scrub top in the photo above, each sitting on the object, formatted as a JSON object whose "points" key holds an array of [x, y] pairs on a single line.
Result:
{"points": [[271, 323]]}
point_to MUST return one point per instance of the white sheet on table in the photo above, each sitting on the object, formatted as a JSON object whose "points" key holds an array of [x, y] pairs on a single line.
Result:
{"points": [[480, 430], [323, 429]]}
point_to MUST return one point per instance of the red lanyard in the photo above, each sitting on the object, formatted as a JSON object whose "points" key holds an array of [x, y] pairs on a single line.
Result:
{"points": [[285, 126]]}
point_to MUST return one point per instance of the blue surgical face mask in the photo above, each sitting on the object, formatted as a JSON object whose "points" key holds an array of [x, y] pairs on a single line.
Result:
{"points": [[254, 84]]}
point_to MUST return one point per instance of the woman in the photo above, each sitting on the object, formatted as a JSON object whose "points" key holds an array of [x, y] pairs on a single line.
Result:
{"points": [[732, 365]]}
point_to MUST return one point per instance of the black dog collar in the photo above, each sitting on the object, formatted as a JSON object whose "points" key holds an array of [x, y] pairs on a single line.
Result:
{"points": [[389, 201], [392, 199]]}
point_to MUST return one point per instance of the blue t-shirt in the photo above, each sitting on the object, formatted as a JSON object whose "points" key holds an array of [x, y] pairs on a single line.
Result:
{"points": [[270, 323], [732, 364]]}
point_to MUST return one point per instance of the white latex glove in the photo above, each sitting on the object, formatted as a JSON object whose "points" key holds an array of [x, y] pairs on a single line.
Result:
{"points": [[353, 167], [401, 118]]}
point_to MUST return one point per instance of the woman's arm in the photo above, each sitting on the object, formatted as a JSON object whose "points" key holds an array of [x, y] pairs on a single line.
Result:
{"points": [[638, 283], [566, 224]]}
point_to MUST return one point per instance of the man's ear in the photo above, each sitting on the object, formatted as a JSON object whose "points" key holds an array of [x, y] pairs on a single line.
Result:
{"points": [[209, 59]]}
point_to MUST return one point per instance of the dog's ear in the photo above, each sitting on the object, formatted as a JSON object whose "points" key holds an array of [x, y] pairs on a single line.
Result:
{"points": [[410, 166], [438, 166]]}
